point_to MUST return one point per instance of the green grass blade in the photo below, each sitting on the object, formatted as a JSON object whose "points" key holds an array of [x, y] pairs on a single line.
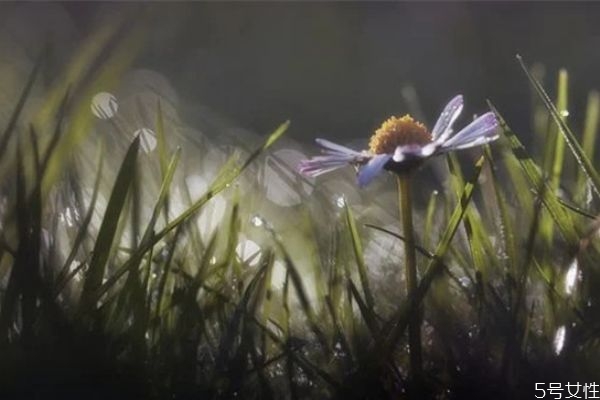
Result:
{"points": [[429, 217], [360, 261], [590, 132], [581, 158], [506, 225], [537, 182], [365, 311], [559, 151]]}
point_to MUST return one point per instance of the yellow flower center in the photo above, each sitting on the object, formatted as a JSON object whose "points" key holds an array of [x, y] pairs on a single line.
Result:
{"points": [[398, 132]]}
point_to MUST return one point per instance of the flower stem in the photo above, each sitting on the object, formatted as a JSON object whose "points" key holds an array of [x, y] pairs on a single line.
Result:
{"points": [[414, 325]]}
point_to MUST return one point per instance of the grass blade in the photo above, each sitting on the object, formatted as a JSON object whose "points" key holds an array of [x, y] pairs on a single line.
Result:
{"points": [[360, 261], [108, 228], [532, 171], [581, 158]]}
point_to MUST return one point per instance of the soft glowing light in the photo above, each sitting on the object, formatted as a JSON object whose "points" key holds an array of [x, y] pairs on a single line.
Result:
{"points": [[247, 251], [147, 139], [257, 221], [278, 274], [281, 182], [340, 201], [68, 216], [196, 185], [571, 277], [559, 339], [211, 216], [104, 105], [564, 113]]}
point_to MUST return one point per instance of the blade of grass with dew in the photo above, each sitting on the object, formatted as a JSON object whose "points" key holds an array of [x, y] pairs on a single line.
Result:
{"points": [[560, 217], [540, 120], [165, 279], [360, 260], [429, 217], [226, 176], [581, 158], [520, 189], [471, 220], [163, 150], [108, 227], [577, 210], [506, 225]]}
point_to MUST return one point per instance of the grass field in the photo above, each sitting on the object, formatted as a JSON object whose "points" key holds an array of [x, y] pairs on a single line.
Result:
{"points": [[118, 279]]}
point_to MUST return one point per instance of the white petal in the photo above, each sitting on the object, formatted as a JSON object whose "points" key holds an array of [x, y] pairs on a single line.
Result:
{"points": [[368, 172], [443, 126], [336, 147], [480, 131]]}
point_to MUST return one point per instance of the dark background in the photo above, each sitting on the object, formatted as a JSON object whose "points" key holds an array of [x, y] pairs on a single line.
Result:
{"points": [[338, 69]]}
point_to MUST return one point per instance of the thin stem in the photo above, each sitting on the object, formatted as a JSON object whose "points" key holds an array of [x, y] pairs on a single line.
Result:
{"points": [[414, 325]]}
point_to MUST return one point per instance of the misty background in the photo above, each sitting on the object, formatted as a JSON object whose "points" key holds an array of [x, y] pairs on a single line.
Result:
{"points": [[338, 69]]}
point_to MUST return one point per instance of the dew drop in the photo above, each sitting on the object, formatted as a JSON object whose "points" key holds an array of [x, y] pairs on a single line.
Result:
{"points": [[571, 277], [257, 221], [559, 339]]}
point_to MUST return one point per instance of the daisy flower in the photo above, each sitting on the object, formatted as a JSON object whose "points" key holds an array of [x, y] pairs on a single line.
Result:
{"points": [[401, 144]]}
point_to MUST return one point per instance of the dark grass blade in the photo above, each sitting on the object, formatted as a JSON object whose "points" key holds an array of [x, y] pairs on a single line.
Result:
{"points": [[588, 141], [429, 216], [506, 225], [365, 311], [108, 228]]}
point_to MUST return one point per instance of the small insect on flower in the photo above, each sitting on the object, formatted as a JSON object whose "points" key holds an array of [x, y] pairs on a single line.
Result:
{"points": [[401, 144]]}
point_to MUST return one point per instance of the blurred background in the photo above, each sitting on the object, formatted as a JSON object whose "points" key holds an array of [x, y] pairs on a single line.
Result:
{"points": [[337, 69]]}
